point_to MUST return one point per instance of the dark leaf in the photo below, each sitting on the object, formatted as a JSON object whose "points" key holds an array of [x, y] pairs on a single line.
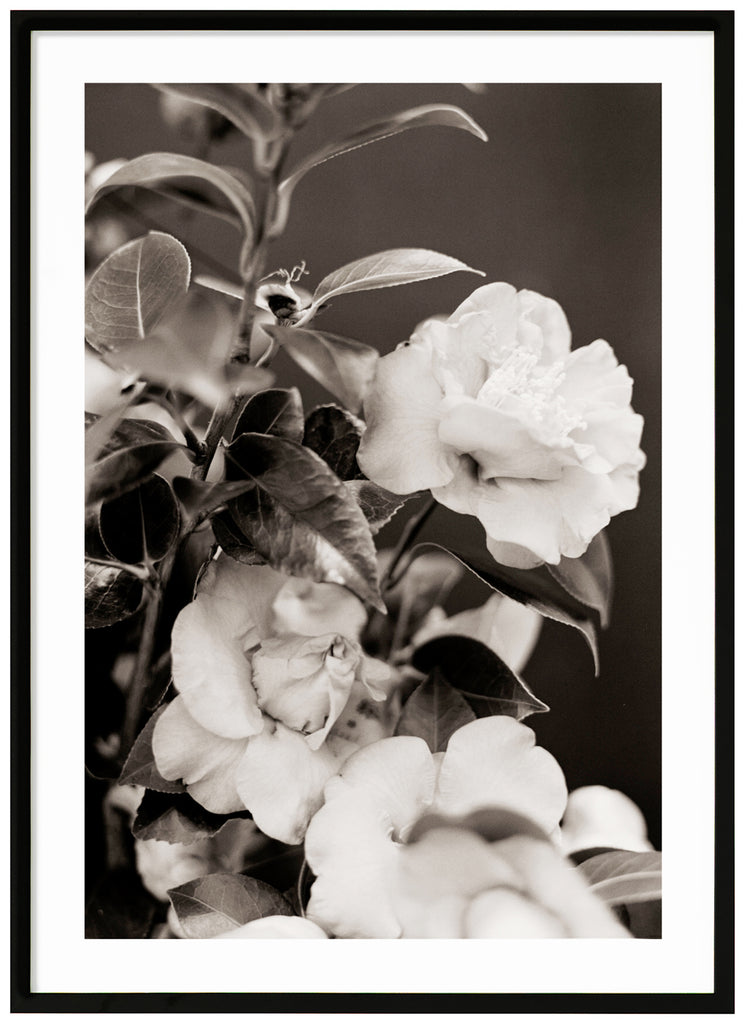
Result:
{"points": [[344, 367], [153, 169], [133, 289], [203, 496], [111, 594], [220, 902], [378, 505], [120, 908], [94, 545], [334, 434], [624, 876], [233, 540], [487, 683], [277, 411], [240, 104], [643, 920], [533, 587], [431, 115], [140, 768], [131, 455], [434, 712], [300, 517], [142, 523], [176, 818], [589, 578]]}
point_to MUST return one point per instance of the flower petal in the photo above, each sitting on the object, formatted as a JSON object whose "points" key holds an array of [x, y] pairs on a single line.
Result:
{"points": [[211, 670], [398, 775], [559, 887], [207, 763], [494, 762], [348, 848], [550, 318], [306, 608], [280, 780], [599, 816], [278, 926], [400, 449], [508, 914]]}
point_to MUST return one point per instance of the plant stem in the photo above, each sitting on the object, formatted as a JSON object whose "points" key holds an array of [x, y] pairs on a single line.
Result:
{"points": [[408, 535]]}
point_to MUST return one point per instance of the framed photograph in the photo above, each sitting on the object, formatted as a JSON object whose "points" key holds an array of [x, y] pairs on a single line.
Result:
{"points": [[397, 503]]}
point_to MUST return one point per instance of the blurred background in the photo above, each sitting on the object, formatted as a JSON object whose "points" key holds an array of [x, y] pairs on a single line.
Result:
{"points": [[564, 199]]}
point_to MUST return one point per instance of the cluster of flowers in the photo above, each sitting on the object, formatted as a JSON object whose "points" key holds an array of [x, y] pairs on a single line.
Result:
{"points": [[281, 712]]}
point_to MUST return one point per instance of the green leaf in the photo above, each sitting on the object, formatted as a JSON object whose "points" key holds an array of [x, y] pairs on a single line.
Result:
{"points": [[217, 903], [190, 350], [203, 496], [334, 434], [344, 367], [534, 587], [238, 103], [378, 505], [431, 115], [143, 522], [111, 594], [153, 169], [277, 411], [300, 517], [487, 683], [385, 270], [434, 711], [624, 876], [589, 578], [176, 818], [133, 289], [140, 768], [132, 454]]}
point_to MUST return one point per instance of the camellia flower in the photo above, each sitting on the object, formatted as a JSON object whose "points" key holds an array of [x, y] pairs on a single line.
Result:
{"points": [[356, 844], [504, 422], [274, 693], [276, 927]]}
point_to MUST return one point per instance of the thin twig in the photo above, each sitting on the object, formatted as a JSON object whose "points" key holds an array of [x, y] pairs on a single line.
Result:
{"points": [[408, 534]]}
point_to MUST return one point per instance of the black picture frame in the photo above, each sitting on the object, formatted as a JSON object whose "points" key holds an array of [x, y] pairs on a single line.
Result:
{"points": [[23, 25]]}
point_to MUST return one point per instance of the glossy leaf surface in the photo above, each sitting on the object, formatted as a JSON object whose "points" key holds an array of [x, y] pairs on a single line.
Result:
{"points": [[111, 595], [140, 768], [143, 522], [487, 683], [300, 517]]}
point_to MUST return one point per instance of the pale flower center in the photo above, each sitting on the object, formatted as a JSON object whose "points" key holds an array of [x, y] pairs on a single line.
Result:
{"points": [[518, 374]]}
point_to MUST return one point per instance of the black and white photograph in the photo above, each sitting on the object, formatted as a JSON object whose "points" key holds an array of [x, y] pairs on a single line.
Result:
{"points": [[378, 571]]}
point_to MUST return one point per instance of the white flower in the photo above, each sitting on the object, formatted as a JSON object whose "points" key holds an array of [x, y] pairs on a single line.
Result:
{"points": [[354, 844], [274, 693], [276, 927], [493, 413], [597, 816]]}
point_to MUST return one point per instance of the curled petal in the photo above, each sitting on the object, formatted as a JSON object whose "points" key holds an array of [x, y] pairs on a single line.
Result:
{"points": [[508, 914], [211, 670], [598, 816], [280, 780], [183, 749], [494, 762]]}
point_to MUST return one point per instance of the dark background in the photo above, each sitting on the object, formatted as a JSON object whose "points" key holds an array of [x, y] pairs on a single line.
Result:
{"points": [[564, 199]]}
